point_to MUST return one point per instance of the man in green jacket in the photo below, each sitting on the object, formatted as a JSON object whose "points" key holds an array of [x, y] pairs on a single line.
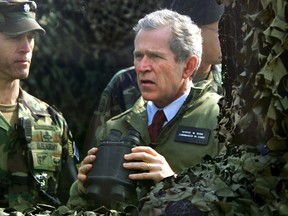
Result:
{"points": [[122, 91], [168, 50], [35, 143]]}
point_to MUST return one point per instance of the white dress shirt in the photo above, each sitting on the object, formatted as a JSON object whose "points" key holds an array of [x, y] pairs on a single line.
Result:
{"points": [[170, 110]]}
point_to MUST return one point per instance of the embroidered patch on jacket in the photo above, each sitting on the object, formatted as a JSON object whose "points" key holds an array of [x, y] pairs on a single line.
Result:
{"points": [[192, 135]]}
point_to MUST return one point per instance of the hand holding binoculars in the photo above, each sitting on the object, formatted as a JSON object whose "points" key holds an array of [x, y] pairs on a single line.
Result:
{"points": [[108, 180]]}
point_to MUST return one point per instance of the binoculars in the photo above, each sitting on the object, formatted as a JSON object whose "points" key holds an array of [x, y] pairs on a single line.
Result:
{"points": [[108, 180]]}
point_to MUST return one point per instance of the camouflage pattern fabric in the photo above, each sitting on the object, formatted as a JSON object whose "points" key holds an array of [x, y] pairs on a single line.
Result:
{"points": [[119, 95], [216, 77], [45, 210], [242, 182], [36, 149]]}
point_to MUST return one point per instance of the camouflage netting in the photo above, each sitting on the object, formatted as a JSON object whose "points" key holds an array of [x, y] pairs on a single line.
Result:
{"points": [[251, 178], [111, 21]]}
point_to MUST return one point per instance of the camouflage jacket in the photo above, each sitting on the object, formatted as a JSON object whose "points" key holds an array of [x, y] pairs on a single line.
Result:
{"points": [[197, 115], [33, 153]]}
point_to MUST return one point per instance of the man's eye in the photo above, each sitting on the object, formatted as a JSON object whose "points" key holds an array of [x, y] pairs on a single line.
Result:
{"points": [[155, 56], [31, 37], [138, 56]]}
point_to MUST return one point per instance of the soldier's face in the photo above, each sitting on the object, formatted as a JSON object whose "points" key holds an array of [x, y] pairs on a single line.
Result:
{"points": [[15, 56]]}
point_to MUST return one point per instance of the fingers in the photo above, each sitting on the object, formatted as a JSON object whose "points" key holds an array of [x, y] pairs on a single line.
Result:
{"points": [[92, 151], [146, 149], [154, 166], [86, 164], [150, 171], [91, 156], [148, 166], [141, 153], [82, 175], [89, 159], [85, 167], [139, 165]]}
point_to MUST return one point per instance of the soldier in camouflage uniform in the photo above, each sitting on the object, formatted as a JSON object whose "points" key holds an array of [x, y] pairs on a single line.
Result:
{"points": [[122, 91], [35, 143]]}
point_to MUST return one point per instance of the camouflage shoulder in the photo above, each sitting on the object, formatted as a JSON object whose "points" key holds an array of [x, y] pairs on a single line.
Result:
{"points": [[121, 73], [55, 111], [139, 106], [38, 104], [105, 101], [121, 115], [32, 101]]}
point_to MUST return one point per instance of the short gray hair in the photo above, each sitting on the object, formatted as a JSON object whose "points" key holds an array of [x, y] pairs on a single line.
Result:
{"points": [[186, 37]]}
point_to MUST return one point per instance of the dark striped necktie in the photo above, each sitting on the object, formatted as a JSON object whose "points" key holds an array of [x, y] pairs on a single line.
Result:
{"points": [[157, 124]]}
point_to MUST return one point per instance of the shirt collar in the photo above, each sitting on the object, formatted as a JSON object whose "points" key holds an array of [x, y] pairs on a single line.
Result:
{"points": [[170, 110]]}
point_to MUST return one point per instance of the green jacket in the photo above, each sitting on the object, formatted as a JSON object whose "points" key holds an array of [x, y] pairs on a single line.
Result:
{"points": [[122, 92], [198, 114], [199, 111], [33, 153]]}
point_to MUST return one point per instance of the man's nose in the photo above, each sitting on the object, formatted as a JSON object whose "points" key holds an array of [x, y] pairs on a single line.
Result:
{"points": [[26, 45], [144, 64]]}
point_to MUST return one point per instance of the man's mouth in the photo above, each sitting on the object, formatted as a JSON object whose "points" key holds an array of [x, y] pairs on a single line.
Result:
{"points": [[147, 82]]}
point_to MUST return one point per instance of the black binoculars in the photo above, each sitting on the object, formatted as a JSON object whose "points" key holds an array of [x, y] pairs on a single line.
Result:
{"points": [[108, 180]]}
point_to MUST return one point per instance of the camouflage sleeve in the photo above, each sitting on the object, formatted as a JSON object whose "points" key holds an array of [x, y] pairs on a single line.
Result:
{"points": [[70, 157], [76, 199]]}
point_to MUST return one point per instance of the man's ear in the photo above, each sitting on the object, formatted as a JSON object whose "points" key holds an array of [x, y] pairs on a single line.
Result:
{"points": [[191, 64]]}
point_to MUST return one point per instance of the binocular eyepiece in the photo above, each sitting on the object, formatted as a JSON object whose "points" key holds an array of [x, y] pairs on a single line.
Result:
{"points": [[108, 180]]}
